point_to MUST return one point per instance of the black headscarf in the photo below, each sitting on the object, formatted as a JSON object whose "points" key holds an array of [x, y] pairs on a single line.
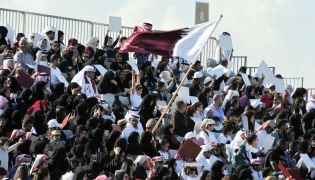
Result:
{"points": [[38, 90], [59, 89], [24, 100], [147, 145], [39, 122], [146, 108], [106, 86], [133, 147], [122, 143], [216, 170], [57, 165], [14, 86], [17, 118], [3, 32], [96, 139], [39, 147], [112, 137]]}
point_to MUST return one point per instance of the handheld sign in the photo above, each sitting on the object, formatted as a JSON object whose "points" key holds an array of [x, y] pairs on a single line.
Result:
{"points": [[114, 24]]}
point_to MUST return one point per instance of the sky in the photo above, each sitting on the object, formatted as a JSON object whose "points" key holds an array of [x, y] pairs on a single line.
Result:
{"points": [[277, 31]]}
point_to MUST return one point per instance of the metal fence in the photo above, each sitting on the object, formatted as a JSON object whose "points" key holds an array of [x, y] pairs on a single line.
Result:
{"points": [[310, 92], [208, 52], [252, 70], [295, 82], [29, 22], [237, 62]]}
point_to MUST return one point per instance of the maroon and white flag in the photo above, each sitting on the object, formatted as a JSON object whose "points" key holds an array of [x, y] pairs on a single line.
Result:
{"points": [[186, 43]]}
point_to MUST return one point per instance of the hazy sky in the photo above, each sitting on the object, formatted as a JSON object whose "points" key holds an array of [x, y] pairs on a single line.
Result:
{"points": [[279, 31]]}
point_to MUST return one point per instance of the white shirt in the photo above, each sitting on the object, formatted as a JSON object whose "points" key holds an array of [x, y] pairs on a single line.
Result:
{"points": [[129, 129], [53, 75], [223, 139], [164, 154], [135, 100], [88, 89], [249, 150], [4, 155], [24, 58], [261, 136], [257, 175], [207, 138]]}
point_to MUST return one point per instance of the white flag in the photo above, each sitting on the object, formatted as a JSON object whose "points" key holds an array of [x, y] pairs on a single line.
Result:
{"points": [[190, 46]]}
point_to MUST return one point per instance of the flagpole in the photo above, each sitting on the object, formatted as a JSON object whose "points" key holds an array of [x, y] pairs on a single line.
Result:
{"points": [[175, 95]]}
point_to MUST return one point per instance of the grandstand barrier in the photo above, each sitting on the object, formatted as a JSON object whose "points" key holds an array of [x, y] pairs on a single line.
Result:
{"points": [[237, 62], [252, 70], [294, 81], [310, 92], [30, 22]]}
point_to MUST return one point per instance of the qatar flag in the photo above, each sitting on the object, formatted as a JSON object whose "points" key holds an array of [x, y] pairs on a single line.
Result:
{"points": [[186, 43]]}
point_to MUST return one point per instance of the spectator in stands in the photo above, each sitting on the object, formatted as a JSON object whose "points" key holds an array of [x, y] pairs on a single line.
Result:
{"points": [[109, 45], [3, 35], [182, 123], [216, 107], [23, 56], [16, 45]]}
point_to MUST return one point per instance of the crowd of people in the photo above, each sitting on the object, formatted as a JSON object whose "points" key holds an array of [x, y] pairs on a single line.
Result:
{"points": [[76, 121]]}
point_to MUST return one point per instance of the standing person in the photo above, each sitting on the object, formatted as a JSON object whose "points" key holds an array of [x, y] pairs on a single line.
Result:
{"points": [[50, 33], [142, 57], [60, 39], [109, 45], [23, 56], [16, 45], [182, 123], [54, 70], [85, 78], [3, 35], [125, 56], [5, 149]]}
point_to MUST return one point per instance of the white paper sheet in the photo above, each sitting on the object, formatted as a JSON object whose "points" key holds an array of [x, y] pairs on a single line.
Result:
{"points": [[212, 160], [280, 86], [100, 69], [196, 120], [268, 143], [114, 23], [134, 66], [109, 98], [161, 104], [218, 71], [32, 66], [254, 102], [172, 153], [183, 94], [307, 161], [225, 42], [245, 79], [245, 122], [263, 69], [193, 99]]}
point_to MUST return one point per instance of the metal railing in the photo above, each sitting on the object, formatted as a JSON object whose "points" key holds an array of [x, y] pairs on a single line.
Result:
{"points": [[252, 70], [209, 51], [296, 82], [29, 22], [310, 92], [83, 30], [237, 62]]}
